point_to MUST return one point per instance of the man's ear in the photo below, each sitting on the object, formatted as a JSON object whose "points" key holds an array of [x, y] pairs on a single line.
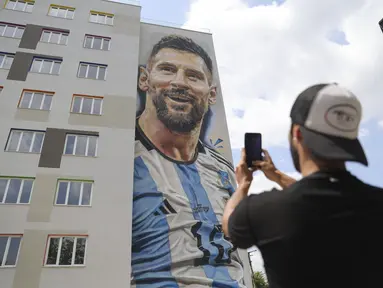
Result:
{"points": [[296, 133], [143, 79], [213, 95]]}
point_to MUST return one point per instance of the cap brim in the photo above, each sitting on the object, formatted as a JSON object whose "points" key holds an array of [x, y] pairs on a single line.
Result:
{"points": [[334, 148]]}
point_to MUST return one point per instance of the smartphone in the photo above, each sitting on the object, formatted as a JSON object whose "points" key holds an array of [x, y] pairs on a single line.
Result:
{"points": [[253, 147]]}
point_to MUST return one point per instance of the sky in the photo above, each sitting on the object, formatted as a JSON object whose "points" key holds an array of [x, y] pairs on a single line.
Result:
{"points": [[269, 51]]}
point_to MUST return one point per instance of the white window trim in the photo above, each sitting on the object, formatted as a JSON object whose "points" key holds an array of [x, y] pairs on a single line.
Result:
{"points": [[30, 101], [92, 43], [59, 250], [87, 71], [61, 8], [6, 25], [18, 1], [7, 250], [50, 36], [81, 193], [75, 145], [5, 58], [2, 201], [21, 136], [92, 109], [101, 15], [41, 65]]}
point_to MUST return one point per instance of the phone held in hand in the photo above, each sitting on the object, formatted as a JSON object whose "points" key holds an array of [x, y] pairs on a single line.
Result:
{"points": [[253, 147]]}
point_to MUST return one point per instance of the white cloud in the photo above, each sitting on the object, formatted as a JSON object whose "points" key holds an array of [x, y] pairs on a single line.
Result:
{"points": [[268, 54], [261, 183], [380, 123]]}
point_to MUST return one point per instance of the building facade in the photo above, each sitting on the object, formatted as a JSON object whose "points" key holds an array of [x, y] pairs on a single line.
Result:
{"points": [[68, 107]]}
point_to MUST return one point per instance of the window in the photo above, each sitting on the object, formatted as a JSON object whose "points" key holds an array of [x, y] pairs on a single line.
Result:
{"points": [[87, 105], [92, 71], [61, 11], [15, 190], [46, 66], [11, 30], [6, 60], [97, 42], [9, 250], [81, 145], [54, 37], [18, 5], [101, 18], [25, 141], [75, 193], [39, 100], [66, 251]]}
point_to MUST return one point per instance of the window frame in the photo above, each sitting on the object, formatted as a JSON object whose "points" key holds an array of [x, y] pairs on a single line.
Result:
{"points": [[59, 7], [27, 2], [82, 103], [61, 180], [2, 201], [7, 250], [54, 60], [61, 236], [17, 26], [75, 145], [51, 31], [88, 64], [102, 42], [12, 130], [106, 15], [6, 55], [45, 93]]}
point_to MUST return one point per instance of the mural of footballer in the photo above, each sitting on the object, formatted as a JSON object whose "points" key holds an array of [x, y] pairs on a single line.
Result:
{"points": [[180, 184]]}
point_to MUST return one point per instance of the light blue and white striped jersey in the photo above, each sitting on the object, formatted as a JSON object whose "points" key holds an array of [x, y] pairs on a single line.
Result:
{"points": [[177, 238]]}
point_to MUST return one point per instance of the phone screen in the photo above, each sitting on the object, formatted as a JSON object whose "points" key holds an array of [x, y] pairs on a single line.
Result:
{"points": [[253, 147]]}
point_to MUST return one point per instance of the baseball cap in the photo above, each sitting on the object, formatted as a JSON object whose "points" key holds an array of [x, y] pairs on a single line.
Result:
{"points": [[329, 116]]}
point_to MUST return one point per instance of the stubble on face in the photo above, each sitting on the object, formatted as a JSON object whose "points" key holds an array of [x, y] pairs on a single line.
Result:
{"points": [[179, 89]]}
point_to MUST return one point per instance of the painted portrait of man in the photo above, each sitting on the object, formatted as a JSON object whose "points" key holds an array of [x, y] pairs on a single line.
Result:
{"points": [[181, 184]]}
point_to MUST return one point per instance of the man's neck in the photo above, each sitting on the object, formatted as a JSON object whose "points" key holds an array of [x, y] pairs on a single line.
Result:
{"points": [[177, 146], [311, 166]]}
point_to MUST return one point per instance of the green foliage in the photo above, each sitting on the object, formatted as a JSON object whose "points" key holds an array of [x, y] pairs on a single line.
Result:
{"points": [[259, 280]]}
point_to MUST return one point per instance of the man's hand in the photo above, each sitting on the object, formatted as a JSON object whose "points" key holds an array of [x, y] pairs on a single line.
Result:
{"points": [[271, 172], [267, 166], [244, 174]]}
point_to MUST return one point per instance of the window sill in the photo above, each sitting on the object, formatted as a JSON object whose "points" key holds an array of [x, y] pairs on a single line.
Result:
{"points": [[18, 10], [44, 73], [53, 43], [85, 114], [80, 156], [64, 266], [59, 17], [34, 109], [33, 153], [15, 204], [9, 37], [75, 206], [7, 267], [110, 25], [91, 79], [93, 49]]}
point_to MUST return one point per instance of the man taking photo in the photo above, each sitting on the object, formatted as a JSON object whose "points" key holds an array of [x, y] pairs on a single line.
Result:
{"points": [[324, 230]]}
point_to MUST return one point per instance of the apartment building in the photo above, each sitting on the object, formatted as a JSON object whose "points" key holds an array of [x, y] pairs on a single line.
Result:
{"points": [[68, 90]]}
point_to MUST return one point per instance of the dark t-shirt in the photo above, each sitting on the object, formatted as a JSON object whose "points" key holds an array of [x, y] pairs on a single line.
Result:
{"points": [[325, 230]]}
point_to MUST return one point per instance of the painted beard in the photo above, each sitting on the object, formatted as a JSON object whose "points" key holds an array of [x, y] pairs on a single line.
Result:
{"points": [[177, 118], [295, 157]]}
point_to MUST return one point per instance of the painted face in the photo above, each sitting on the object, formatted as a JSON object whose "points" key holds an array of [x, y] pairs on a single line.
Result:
{"points": [[178, 85]]}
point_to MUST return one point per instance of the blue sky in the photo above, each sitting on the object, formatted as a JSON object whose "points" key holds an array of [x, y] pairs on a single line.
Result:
{"points": [[175, 11]]}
